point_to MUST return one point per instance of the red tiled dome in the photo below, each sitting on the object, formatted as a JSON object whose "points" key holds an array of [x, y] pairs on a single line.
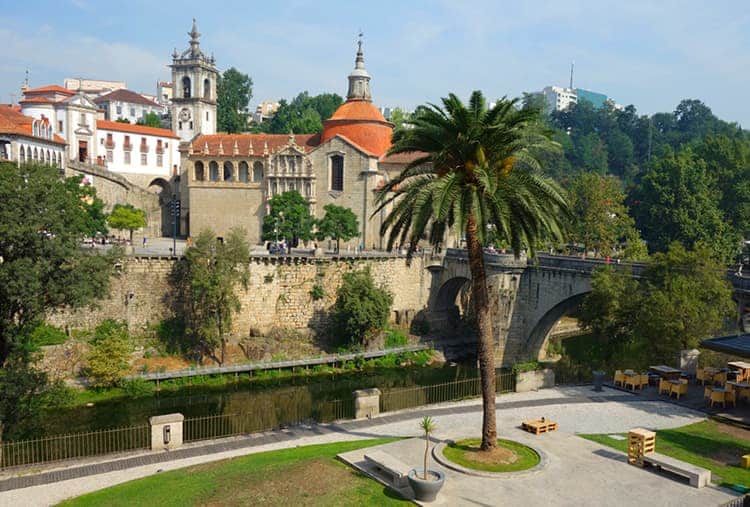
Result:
{"points": [[361, 123]]}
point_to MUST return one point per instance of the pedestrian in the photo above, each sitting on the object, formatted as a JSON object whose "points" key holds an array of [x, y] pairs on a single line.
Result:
{"points": [[145, 240]]}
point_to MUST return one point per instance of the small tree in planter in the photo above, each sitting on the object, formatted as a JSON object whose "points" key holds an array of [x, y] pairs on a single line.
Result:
{"points": [[428, 485]]}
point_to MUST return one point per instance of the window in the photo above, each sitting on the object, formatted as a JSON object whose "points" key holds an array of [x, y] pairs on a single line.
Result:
{"points": [[144, 158], [22, 155], [127, 142], [127, 158], [132, 111], [159, 160], [191, 125], [244, 172], [337, 173], [110, 156], [199, 174], [35, 129], [186, 87], [206, 89], [228, 171], [258, 171], [59, 126], [213, 171], [308, 190], [82, 119], [206, 115], [179, 125], [119, 110]]}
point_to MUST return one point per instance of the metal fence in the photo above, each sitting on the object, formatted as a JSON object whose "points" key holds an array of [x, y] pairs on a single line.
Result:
{"points": [[742, 501], [410, 397], [76, 445]]}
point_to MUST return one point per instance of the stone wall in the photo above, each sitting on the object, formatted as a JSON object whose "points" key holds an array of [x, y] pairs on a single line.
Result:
{"points": [[278, 294]]}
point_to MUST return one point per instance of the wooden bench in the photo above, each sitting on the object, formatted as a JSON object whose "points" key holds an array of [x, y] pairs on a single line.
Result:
{"points": [[393, 468], [697, 476], [538, 426]]}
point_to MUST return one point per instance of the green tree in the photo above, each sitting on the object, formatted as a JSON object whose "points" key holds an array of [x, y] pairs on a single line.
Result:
{"points": [[233, 93], [91, 204], [479, 169], [126, 217], [361, 309], [676, 201], [399, 117], [288, 219], [43, 219], [109, 357], [150, 120], [206, 284], [22, 390], [303, 115], [338, 223], [600, 218]]}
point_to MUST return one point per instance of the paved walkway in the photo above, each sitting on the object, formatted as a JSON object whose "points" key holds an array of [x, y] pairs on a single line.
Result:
{"points": [[578, 410]]}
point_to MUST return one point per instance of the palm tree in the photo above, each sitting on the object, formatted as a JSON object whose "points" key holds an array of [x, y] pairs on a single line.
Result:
{"points": [[478, 171]]}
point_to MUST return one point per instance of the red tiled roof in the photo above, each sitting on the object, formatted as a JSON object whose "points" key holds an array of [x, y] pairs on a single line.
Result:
{"points": [[13, 122], [37, 100], [402, 158], [123, 95], [134, 129], [50, 88], [274, 142], [360, 122]]}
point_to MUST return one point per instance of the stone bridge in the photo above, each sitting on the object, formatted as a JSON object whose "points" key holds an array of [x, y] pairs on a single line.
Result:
{"points": [[528, 297]]}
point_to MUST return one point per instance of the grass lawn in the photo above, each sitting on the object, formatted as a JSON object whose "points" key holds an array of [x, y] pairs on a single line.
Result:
{"points": [[708, 444], [510, 456], [307, 475]]}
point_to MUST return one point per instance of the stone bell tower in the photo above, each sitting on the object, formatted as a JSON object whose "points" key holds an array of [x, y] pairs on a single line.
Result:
{"points": [[194, 78]]}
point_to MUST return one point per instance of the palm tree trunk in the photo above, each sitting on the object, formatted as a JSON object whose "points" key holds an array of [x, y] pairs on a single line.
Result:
{"points": [[480, 297]]}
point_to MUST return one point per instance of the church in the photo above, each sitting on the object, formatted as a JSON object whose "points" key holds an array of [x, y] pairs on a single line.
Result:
{"points": [[226, 180]]}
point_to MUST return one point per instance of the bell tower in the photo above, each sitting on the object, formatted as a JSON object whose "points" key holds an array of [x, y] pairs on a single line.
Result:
{"points": [[194, 78]]}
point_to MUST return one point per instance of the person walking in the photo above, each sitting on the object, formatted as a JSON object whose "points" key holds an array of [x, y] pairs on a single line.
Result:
{"points": [[145, 240]]}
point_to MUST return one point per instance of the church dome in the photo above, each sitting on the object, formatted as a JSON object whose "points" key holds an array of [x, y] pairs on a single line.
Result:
{"points": [[357, 119]]}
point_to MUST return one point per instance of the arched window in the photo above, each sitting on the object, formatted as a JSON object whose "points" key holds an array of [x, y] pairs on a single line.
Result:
{"points": [[258, 171], [186, 87], [337, 173], [244, 172], [308, 190], [206, 89], [228, 171], [48, 158], [22, 155], [35, 128], [213, 171], [36, 154], [199, 173], [59, 160]]}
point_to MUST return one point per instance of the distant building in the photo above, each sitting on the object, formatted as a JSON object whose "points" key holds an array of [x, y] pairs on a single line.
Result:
{"points": [[27, 139], [124, 104], [265, 110], [559, 98], [93, 86], [138, 149], [164, 92], [597, 99]]}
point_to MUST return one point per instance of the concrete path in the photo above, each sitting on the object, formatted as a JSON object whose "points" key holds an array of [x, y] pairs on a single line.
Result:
{"points": [[577, 410]]}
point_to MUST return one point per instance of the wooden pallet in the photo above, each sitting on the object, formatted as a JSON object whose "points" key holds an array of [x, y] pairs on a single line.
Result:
{"points": [[640, 443], [538, 426]]}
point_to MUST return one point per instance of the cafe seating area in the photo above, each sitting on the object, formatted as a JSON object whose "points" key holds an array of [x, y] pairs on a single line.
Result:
{"points": [[707, 388]]}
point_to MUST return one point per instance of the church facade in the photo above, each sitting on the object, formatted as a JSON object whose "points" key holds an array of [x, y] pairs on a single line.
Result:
{"points": [[227, 180]]}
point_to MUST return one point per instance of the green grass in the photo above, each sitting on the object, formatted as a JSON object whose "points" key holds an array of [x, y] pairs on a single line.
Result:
{"points": [[307, 475], [461, 453], [703, 444]]}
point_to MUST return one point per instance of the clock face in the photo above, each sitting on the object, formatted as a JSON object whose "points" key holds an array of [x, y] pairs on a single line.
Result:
{"points": [[185, 115]]}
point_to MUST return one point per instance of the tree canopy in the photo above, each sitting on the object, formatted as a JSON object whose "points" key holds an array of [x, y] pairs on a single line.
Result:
{"points": [[338, 223], [303, 115], [233, 93], [126, 217], [289, 219], [150, 119]]}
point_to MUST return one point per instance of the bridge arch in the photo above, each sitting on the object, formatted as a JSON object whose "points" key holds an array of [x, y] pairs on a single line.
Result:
{"points": [[163, 189], [448, 293], [538, 336]]}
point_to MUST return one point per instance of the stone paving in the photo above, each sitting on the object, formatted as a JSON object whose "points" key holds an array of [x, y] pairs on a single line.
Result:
{"points": [[577, 410]]}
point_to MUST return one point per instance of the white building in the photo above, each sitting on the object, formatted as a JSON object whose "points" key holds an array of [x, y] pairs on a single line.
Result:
{"points": [[92, 86], [127, 105], [26, 139], [559, 98], [138, 150], [164, 92]]}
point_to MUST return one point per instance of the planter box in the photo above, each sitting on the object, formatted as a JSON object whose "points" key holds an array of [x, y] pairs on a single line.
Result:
{"points": [[534, 380]]}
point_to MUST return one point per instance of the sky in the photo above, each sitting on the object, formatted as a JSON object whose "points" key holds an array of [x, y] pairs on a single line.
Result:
{"points": [[650, 54]]}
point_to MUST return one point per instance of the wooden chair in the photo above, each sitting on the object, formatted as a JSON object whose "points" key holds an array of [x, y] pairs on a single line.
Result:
{"points": [[731, 397], [679, 389], [632, 381], [717, 397], [720, 378], [707, 393], [619, 378], [644, 381], [665, 386], [700, 376]]}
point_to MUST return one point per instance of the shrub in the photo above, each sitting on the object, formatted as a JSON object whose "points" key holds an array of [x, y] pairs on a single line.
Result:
{"points": [[317, 293], [138, 388], [171, 333], [108, 359], [361, 309], [45, 334], [395, 338], [527, 366]]}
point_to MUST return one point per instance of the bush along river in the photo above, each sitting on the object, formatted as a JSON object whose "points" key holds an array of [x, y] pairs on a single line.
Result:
{"points": [[271, 399]]}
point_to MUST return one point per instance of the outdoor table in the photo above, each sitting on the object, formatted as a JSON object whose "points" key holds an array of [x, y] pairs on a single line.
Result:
{"points": [[666, 372], [629, 372], [742, 368], [742, 388]]}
